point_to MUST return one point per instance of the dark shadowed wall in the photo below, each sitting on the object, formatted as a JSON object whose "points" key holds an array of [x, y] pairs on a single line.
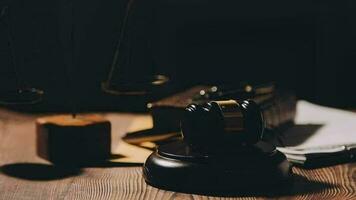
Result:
{"points": [[308, 46]]}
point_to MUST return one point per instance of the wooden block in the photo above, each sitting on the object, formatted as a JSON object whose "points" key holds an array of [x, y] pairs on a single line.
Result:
{"points": [[63, 139]]}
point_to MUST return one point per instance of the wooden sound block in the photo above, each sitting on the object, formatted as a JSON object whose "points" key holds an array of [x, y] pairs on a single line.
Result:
{"points": [[63, 139], [181, 167]]}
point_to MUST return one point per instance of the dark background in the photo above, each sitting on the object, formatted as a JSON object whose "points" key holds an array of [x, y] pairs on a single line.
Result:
{"points": [[307, 46]]}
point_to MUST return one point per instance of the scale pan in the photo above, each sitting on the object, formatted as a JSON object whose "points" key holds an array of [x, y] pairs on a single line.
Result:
{"points": [[23, 96], [145, 85]]}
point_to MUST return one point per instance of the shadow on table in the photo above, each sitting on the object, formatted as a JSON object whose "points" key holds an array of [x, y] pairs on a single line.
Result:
{"points": [[110, 162], [44, 172], [37, 171], [298, 185]]}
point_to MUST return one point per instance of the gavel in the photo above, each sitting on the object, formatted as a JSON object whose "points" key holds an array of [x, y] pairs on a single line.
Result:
{"points": [[236, 122], [228, 121], [221, 141]]}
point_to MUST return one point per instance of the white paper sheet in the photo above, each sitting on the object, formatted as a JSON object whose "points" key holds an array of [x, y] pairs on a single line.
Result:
{"points": [[320, 129]]}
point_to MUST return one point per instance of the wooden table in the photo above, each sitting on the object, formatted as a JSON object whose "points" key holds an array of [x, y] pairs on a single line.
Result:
{"points": [[23, 175]]}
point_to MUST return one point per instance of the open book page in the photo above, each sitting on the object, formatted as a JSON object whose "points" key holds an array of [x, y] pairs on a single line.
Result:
{"points": [[320, 129]]}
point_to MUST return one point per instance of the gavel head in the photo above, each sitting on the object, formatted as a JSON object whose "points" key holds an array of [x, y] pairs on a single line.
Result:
{"points": [[222, 122]]}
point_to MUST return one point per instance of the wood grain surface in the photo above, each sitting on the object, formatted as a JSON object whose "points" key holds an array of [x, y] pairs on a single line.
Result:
{"points": [[23, 175]]}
